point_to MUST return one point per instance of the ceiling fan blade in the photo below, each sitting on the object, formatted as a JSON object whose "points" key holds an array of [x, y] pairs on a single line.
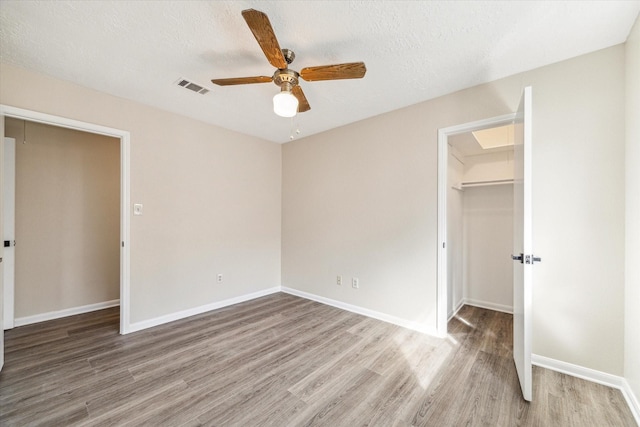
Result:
{"points": [[351, 70], [303, 104], [241, 80], [261, 28]]}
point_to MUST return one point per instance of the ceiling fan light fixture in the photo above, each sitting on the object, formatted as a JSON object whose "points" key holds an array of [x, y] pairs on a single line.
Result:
{"points": [[285, 104]]}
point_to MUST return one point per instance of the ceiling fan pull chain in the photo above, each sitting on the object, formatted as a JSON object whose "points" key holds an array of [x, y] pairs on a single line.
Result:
{"points": [[294, 125], [291, 129]]}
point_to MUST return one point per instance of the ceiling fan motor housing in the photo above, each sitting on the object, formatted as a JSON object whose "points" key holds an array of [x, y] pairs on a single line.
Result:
{"points": [[286, 77], [289, 56]]}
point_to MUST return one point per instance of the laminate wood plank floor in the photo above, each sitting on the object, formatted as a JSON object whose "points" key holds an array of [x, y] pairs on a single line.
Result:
{"points": [[285, 361]]}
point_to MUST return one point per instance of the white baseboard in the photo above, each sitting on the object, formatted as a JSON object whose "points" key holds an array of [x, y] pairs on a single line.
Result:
{"points": [[593, 376], [488, 305], [145, 324], [43, 317], [415, 326], [632, 400], [456, 310]]}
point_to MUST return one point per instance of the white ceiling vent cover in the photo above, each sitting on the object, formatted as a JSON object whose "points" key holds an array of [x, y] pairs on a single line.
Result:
{"points": [[192, 86]]}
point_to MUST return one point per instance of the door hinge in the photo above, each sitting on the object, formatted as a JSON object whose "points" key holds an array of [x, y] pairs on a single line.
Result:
{"points": [[123, 244]]}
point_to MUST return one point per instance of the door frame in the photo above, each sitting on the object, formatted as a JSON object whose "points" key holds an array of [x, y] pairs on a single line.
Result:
{"points": [[125, 184], [443, 170], [9, 169]]}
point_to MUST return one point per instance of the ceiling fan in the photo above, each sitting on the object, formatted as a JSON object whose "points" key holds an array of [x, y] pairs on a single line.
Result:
{"points": [[291, 99]]}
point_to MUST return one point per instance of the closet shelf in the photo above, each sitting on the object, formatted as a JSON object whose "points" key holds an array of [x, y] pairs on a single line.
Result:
{"points": [[470, 184]]}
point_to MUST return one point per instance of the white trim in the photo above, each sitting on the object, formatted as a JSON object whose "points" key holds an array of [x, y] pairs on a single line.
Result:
{"points": [[632, 400], [52, 315], [125, 183], [441, 292], [161, 320], [415, 326], [125, 233], [9, 233], [49, 119], [456, 310], [591, 375], [489, 305], [443, 157]]}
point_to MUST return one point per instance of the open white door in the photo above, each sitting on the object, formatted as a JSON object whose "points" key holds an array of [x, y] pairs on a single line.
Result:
{"points": [[1, 255], [522, 246], [8, 233]]}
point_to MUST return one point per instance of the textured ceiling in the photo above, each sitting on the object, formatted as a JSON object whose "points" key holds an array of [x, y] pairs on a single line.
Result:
{"points": [[414, 50]]}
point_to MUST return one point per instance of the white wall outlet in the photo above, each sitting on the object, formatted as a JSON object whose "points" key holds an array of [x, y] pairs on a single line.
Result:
{"points": [[219, 278], [355, 283], [339, 280], [137, 209]]}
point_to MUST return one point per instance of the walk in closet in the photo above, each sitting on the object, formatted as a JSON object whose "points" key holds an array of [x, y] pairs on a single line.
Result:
{"points": [[480, 220]]}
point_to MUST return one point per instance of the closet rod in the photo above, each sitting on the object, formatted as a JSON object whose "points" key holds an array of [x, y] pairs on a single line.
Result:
{"points": [[484, 183]]}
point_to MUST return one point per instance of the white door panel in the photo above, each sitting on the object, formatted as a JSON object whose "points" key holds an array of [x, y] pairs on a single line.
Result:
{"points": [[522, 246], [8, 214]]}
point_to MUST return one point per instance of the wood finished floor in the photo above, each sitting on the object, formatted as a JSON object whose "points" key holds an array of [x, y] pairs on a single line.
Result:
{"points": [[285, 361]]}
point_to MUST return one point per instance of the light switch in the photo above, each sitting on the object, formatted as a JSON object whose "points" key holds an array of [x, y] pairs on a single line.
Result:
{"points": [[137, 209]]}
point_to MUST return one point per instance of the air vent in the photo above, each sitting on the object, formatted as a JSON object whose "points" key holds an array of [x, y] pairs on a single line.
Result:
{"points": [[192, 86]]}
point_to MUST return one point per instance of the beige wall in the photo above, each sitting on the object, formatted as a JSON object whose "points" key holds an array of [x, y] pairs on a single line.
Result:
{"points": [[578, 198], [67, 218], [211, 196], [632, 154], [362, 200], [356, 203]]}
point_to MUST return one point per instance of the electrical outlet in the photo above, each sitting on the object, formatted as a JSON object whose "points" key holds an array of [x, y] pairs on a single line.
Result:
{"points": [[219, 278], [339, 280], [355, 283]]}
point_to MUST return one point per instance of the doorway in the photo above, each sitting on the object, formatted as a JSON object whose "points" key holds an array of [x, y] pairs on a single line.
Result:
{"points": [[444, 292], [480, 220], [124, 231], [66, 206], [522, 251]]}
